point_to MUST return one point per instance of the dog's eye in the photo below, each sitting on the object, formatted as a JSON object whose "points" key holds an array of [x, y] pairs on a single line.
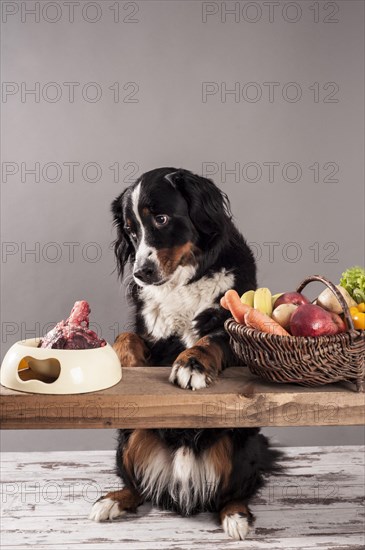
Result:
{"points": [[161, 219]]}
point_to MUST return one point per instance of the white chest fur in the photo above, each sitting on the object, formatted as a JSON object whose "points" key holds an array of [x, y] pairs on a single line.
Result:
{"points": [[170, 309], [189, 479]]}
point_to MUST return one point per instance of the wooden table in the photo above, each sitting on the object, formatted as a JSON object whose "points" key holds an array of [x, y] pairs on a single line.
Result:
{"points": [[316, 503], [145, 398]]}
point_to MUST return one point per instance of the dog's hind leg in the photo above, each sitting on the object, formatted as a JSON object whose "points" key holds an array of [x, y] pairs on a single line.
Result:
{"points": [[236, 519], [115, 504], [131, 349]]}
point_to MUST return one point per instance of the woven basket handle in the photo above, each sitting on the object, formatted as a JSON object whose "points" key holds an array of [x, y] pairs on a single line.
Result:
{"points": [[336, 292]]}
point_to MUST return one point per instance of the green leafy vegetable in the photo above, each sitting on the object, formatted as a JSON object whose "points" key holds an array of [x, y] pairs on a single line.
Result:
{"points": [[353, 279]]}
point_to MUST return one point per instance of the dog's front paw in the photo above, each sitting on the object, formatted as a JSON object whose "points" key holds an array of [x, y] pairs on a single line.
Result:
{"points": [[190, 370], [131, 350]]}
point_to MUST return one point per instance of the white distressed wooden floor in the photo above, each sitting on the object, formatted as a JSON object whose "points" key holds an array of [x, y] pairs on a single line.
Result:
{"points": [[46, 497]]}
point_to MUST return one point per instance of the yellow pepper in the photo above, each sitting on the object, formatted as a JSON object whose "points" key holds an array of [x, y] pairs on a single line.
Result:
{"points": [[358, 316]]}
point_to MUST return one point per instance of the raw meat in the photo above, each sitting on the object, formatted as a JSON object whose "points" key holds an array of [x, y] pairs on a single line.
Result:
{"points": [[74, 333]]}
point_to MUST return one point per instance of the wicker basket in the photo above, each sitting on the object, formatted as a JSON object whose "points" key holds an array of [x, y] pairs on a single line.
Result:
{"points": [[308, 361]]}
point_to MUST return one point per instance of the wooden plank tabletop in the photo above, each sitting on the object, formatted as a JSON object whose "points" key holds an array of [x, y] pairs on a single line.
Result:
{"points": [[145, 398], [315, 504]]}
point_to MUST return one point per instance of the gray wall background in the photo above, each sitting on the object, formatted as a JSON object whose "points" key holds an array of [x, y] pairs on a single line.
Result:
{"points": [[150, 87]]}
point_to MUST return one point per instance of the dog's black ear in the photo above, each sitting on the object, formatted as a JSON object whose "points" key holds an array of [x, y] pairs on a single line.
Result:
{"points": [[209, 207], [123, 248]]}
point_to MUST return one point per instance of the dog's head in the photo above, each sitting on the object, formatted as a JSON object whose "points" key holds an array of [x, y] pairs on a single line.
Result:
{"points": [[167, 222]]}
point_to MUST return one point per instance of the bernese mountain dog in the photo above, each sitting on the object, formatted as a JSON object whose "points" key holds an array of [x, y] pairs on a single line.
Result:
{"points": [[176, 230]]}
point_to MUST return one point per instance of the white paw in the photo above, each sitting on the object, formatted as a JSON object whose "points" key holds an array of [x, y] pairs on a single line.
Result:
{"points": [[236, 526], [188, 377], [105, 509]]}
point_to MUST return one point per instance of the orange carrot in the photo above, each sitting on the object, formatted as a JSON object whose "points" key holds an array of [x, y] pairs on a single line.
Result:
{"points": [[260, 321], [223, 302], [235, 306]]}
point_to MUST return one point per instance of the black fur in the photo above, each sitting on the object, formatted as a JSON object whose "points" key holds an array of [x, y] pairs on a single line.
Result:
{"points": [[209, 225], [252, 461], [204, 218]]}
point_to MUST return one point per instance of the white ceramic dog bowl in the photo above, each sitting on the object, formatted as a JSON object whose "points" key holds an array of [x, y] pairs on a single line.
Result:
{"points": [[60, 371]]}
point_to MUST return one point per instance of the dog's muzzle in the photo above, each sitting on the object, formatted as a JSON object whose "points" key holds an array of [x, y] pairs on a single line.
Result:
{"points": [[147, 273]]}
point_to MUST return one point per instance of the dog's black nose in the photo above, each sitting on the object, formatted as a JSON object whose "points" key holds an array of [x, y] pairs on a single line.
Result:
{"points": [[145, 273]]}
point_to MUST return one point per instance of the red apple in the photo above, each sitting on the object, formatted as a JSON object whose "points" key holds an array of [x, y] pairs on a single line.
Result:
{"points": [[295, 298], [338, 321], [312, 320]]}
